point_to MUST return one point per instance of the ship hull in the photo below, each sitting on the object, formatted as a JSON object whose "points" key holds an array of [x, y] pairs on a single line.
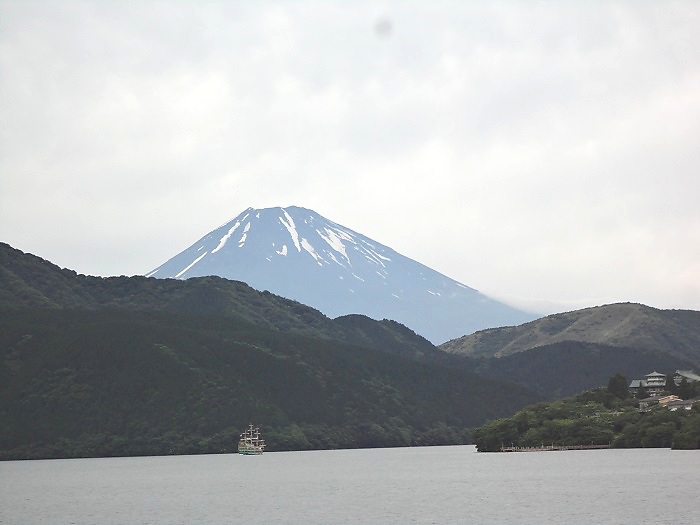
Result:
{"points": [[250, 452]]}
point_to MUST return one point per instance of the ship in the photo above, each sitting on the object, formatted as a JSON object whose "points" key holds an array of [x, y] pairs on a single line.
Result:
{"points": [[250, 442]]}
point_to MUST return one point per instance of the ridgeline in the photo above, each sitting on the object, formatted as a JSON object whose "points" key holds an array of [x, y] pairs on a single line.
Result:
{"points": [[122, 366], [134, 366]]}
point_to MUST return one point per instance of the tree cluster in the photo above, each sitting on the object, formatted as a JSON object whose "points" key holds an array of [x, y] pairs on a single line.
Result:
{"points": [[605, 416]]}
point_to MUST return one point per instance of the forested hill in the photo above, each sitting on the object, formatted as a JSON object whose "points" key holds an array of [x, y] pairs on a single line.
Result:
{"points": [[31, 282], [118, 382], [569, 367], [131, 366], [604, 416]]}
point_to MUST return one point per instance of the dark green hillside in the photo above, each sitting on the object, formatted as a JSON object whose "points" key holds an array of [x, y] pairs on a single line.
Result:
{"points": [[30, 282], [563, 369], [118, 382], [388, 336]]}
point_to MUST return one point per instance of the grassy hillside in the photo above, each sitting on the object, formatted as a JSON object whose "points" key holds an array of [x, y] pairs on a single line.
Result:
{"points": [[673, 332]]}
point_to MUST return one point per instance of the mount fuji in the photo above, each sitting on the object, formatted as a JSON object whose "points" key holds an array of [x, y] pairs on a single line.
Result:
{"points": [[296, 253]]}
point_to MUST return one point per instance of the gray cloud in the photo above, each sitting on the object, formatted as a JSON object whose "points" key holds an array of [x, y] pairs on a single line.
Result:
{"points": [[543, 153]]}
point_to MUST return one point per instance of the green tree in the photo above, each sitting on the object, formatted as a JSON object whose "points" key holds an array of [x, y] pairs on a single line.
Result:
{"points": [[642, 393], [617, 386], [688, 437], [671, 386], [495, 434], [685, 390], [659, 436]]}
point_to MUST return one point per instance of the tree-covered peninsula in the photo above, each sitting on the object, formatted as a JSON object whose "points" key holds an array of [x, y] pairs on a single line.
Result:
{"points": [[604, 416]]}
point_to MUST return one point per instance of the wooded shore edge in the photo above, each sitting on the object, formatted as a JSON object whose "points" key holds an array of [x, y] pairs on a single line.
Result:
{"points": [[601, 418]]}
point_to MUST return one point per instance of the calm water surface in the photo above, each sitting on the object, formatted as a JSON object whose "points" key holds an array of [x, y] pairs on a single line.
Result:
{"points": [[440, 485]]}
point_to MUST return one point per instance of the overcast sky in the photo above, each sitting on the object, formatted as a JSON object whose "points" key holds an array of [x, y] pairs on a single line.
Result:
{"points": [[545, 153]]}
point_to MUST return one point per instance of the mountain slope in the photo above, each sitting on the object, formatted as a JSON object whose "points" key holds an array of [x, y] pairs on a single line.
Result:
{"points": [[297, 253], [31, 282], [132, 366], [674, 332], [119, 382], [569, 367]]}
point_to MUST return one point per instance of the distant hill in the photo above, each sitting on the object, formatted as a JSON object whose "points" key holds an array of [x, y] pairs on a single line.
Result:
{"points": [[297, 253], [132, 366], [624, 325], [570, 367]]}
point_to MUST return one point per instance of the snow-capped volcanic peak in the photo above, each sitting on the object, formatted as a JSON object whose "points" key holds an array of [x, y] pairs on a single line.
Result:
{"points": [[296, 230], [299, 254]]}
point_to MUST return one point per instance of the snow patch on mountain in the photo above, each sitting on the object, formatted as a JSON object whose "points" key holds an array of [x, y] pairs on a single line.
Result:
{"points": [[299, 254], [291, 228], [310, 249], [222, 241], [334, 240], [177, 276]]}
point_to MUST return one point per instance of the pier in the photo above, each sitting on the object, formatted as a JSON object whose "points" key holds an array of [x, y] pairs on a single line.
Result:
{"points": [[547, 448]]}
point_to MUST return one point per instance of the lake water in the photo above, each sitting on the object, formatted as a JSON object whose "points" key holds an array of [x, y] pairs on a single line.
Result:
{"points": [[440, 485]]}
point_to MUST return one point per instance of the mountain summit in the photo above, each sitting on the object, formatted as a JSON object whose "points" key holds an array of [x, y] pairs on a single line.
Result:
{"points": [[297, 253]]}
